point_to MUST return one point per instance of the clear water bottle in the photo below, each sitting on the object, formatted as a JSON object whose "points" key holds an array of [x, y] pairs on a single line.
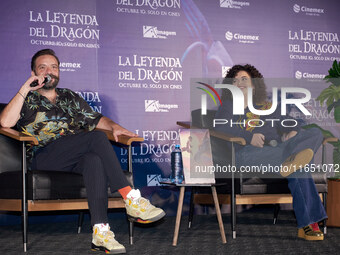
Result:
{"points": [[176, 165]]}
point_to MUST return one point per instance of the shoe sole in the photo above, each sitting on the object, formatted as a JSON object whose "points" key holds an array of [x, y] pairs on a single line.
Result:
{"points": [[140, 220], [301, 159], [102, 248], [301, 234]]}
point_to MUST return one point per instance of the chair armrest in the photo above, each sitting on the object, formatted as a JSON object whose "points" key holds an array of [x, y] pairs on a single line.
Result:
{"points": [[18, 135], [223, 136], [185, 124], [329, 140], [123, 139]]}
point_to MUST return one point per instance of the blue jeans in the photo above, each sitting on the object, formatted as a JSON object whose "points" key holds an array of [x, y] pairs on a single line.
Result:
{"points": [[307, 204]]}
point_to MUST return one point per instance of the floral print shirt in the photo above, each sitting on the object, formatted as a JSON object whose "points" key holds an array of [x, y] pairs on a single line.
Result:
{"points": [[47, 121]]}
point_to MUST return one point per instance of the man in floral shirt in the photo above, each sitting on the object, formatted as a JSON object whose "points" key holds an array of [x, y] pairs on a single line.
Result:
{"points": [[58, 118]]}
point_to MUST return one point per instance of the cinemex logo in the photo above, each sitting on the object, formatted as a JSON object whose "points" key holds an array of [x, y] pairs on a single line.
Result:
{"points": [[69, 66], [153, 32], [241, 37], [308, 10], [299, 75], [233, 4], [155, 106]]}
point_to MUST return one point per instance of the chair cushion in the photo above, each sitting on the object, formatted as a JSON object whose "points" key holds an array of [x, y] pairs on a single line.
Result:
{"points": [[47, 185]]}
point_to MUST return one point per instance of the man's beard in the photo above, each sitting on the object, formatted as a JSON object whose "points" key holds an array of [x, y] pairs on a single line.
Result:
{"points": [[52, 84]]}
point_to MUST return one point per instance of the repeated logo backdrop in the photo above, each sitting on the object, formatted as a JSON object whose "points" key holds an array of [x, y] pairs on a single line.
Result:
{"points": [[133, 60]]}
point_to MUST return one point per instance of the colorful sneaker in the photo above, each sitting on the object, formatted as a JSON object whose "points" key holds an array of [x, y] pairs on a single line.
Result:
{"points": [[311, 233], [139, 209], [296, 161], [315, 227], [105, 241]]}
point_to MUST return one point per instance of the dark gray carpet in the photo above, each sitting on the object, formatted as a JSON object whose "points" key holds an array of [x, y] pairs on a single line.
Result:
{"points": [[255, 235]]}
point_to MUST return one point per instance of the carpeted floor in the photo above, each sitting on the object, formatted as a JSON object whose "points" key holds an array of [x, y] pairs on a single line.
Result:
{"points": [[255, 235]]}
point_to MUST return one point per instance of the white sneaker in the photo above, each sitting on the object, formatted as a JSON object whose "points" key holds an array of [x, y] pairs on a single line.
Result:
{"points": [[105, 241], [139, 209]]}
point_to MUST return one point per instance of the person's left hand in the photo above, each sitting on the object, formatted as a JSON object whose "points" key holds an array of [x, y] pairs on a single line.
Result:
{"points": [[119, 130], [289, 135]]}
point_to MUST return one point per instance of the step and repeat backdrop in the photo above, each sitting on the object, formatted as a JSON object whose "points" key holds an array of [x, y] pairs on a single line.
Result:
{"points": [[134, 60]]}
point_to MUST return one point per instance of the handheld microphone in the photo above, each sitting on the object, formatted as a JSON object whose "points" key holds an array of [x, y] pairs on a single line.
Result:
{"points": [[36, 82], [272, 143]]}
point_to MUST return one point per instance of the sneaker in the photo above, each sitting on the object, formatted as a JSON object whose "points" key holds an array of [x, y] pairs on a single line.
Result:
{"points": [[311, 233], [139, 209], [296, 161], [315, 227], [105, 241]]}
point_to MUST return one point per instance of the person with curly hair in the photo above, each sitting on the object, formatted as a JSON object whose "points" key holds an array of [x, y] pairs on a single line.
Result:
{"points": [[269, 143]]}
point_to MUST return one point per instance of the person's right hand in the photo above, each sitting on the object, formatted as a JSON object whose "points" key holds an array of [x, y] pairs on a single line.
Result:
{"points": [[257, 140], [33, 78]]}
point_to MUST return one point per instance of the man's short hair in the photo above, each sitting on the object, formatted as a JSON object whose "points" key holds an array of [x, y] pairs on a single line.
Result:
{"points": [[42, 53]]}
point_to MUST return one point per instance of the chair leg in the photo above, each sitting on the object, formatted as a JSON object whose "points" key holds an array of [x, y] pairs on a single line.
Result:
{"points": [[276, 212], [191, 208], [24, 225], [80, 221], [324, 195], [233, 216], [233, 195], [131, 232], [24, 212], [324, 198], [24, 228], [129, 157]]}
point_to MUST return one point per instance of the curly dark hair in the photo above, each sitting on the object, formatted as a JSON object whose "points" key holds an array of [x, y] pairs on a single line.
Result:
{"points": [[260, 93], [41, 53]]}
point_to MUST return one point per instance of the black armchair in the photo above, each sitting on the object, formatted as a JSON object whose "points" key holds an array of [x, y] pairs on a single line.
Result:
{"points": [[35, 190], [241, 189]]}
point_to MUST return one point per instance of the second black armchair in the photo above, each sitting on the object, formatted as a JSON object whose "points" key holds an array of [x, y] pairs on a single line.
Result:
{"points": [[241, 188]]}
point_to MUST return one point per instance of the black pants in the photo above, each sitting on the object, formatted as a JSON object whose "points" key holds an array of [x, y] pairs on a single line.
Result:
{"points": [[90, 154]]}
